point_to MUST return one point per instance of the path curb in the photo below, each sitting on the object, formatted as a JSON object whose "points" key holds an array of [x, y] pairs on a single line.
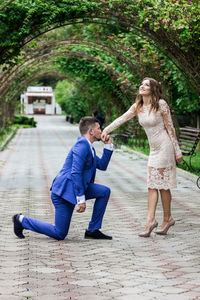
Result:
{"points": [[8, 139]]}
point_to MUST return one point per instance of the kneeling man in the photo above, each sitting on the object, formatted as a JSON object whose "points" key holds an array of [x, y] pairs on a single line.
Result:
{"points": [[74, 185]]}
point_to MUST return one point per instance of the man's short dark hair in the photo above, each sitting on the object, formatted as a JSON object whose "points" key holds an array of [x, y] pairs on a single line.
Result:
{"points": [[86, 123]]}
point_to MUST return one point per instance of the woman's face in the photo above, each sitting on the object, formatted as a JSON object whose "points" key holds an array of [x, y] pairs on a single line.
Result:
{"points": [[144, 89]]}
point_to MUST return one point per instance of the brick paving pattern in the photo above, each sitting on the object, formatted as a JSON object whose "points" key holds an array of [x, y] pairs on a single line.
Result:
{"points": [[126, 268]]}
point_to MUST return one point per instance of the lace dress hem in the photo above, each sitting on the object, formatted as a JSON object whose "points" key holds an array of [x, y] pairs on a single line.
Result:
{"points": [[161, 178]]}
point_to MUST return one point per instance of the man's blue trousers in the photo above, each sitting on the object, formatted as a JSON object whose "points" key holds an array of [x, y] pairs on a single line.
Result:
{"points": [[64, 211]]}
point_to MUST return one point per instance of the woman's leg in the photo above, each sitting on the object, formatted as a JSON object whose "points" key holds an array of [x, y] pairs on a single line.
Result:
{"points": [[152, 203], [151, 222], [166, 204]]}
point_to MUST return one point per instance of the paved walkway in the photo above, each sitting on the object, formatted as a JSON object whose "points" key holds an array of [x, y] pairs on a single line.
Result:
{"points": [[126, 268]]}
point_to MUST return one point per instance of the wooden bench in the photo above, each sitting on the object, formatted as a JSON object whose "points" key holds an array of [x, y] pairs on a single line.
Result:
{"points": [[188, 141]]}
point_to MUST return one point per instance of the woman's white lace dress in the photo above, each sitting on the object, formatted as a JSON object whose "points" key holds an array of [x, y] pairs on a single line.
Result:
{"points": [[163, 143]]}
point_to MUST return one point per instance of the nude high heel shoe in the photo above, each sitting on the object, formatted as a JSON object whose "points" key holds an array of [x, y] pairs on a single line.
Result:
{"points": [[151, 227], [166, 228]]}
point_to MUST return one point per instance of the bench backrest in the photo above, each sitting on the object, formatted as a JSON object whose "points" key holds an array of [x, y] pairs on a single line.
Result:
{"points": [[188, 139]]}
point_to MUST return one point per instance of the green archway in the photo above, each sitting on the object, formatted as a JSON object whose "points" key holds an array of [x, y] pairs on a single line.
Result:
{"points": [[24, 24]]}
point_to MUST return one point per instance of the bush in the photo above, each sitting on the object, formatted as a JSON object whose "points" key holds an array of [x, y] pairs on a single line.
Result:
{"points": [[22, 120]]}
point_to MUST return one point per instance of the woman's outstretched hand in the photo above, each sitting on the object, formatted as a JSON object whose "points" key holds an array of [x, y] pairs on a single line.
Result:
{"points": [[104, 136]]}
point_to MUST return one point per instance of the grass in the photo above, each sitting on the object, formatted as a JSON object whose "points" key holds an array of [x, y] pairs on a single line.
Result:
{"points": [[195, 163], [10, 131], [4, 135], [195, 160], [182, 165]]}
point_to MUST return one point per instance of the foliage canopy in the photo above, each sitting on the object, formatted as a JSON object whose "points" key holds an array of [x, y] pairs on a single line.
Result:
{"points": [[104, 48]]}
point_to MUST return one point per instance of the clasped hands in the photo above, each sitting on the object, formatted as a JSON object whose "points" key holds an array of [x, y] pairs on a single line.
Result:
{"points": [[105, 138]]}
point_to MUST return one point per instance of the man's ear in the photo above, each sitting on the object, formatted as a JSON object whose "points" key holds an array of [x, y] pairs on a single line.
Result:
{"points": [[90, 131]]}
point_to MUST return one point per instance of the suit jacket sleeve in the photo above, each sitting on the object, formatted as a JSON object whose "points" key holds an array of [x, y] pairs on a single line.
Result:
{"points": [[102, 163], [79, 162]]}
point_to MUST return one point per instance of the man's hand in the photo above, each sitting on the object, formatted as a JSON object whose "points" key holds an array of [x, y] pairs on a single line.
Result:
{"points": [[81, 207]]}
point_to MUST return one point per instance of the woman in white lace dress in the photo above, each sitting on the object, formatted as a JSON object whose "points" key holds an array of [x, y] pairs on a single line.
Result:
{"points": [[154, 115]]}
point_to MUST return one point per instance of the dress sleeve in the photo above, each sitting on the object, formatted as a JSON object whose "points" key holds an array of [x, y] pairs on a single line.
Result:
{"points": [[165, 111], [122, 119]]}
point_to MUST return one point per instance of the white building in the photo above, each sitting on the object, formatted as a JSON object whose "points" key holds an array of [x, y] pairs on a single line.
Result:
{"points": [[39, 100]]}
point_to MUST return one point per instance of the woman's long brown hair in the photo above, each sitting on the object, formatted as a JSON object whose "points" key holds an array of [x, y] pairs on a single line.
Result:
{"points": [[156, 95]]}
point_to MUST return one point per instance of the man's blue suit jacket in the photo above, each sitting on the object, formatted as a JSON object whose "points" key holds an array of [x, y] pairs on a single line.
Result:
{"points": [[79, 170]]}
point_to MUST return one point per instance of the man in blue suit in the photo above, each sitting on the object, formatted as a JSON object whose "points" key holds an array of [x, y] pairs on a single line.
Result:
{"points": [[74, 185]]}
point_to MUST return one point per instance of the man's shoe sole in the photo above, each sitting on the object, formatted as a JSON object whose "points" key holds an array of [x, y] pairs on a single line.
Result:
{"points": [[20, 236], [95, 238]]}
